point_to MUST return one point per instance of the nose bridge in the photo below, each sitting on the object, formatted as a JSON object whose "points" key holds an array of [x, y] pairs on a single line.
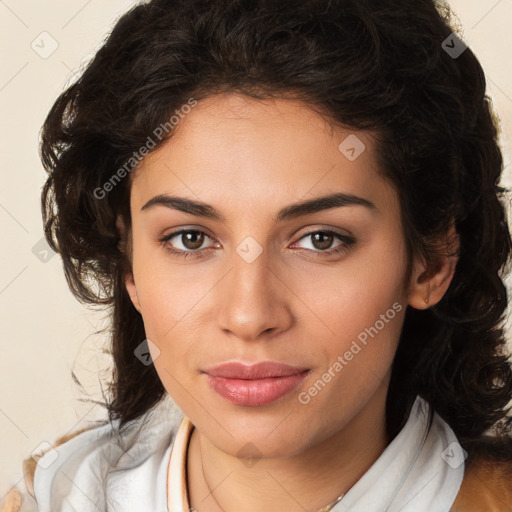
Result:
{"points": [[251, 268], [251, 299]]}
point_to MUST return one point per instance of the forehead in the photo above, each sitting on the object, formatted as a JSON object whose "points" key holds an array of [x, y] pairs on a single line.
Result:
{"points": [[231, 147]]}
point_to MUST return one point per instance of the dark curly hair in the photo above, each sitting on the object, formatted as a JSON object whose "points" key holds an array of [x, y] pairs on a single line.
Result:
{"points": [[377, 65]]}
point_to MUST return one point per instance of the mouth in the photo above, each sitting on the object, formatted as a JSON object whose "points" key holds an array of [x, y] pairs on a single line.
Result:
{"points": [[255, 385]]}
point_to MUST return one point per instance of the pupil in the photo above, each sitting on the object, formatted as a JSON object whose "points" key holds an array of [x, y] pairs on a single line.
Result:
{"points": [[191, 244], [324, 244]]}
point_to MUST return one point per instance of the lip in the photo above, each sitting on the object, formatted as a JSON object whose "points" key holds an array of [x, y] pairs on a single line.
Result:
{"points": [[257, 384], [261, 370]]}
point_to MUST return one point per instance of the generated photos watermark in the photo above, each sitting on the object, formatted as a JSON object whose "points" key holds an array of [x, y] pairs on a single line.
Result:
{"points": [[342, 360], [158, 133]]}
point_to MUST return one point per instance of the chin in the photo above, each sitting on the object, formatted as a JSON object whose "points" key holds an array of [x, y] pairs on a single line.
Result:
{"points": [[267, 439]]}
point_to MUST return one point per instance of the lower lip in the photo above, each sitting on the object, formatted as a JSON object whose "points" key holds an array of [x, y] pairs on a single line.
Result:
{"points": [[255, 392]]}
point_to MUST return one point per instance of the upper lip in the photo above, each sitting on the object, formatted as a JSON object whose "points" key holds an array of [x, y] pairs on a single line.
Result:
{"points": [[261, 370]]}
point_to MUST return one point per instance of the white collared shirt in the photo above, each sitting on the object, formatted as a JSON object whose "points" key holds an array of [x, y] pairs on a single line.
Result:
{"points": [[98, 470]]}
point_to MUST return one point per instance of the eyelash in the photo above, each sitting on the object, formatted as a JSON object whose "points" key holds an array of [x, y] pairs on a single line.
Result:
{"points": [[348, 243]]}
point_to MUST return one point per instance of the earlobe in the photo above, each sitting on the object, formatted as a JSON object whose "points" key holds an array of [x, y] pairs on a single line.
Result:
{"points": [[428, 285], [132, 291]]}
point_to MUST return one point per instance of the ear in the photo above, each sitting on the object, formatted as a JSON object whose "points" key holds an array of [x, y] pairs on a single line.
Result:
{"points": [[124, 246], [428, 285]]}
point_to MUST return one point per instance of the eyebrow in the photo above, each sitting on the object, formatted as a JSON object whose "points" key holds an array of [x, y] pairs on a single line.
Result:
{"points": [[289, 212]]}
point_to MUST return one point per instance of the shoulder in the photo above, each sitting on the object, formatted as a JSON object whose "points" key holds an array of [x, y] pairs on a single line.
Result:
{"points": [[30, 463], [101, 468], [487, 486]]}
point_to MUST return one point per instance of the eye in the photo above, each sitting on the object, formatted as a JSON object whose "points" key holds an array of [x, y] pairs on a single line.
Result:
{"points": [[191, 241], [322, 240]]}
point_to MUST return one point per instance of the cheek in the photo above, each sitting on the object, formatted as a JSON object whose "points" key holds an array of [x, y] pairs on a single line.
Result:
{"points": [[361, 329], [348, 298], [358, 317], [167, 291], [172, 299], [354, 342]]}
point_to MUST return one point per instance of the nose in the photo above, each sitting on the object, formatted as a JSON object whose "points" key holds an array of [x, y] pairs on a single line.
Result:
{"points": [[253, 300]]}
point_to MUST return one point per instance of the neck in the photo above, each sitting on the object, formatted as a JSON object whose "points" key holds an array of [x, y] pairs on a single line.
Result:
{"points": [[308, 480]]}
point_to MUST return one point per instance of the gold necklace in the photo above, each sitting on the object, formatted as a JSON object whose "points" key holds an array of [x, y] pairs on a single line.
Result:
{"points": [[326, 508]]}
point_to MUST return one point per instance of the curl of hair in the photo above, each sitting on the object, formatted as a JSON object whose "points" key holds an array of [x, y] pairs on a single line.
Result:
{"points": [[375, 65]]}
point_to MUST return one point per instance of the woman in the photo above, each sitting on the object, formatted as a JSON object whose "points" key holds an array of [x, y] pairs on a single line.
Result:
{"points": [[293, 210]]}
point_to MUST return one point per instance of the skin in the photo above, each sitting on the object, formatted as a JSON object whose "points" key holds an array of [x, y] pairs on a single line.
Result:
{"points": [[292, 304]]}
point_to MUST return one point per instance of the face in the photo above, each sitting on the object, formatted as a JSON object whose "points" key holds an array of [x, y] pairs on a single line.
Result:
{"points": [[320, 289]]}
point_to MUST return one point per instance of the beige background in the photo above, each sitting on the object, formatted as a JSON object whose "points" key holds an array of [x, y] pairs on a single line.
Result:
{"points": [[46, 333]]}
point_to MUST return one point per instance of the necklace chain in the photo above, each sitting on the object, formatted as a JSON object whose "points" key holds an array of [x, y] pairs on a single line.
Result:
{"points": [[326, 508], [204, 477]]}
